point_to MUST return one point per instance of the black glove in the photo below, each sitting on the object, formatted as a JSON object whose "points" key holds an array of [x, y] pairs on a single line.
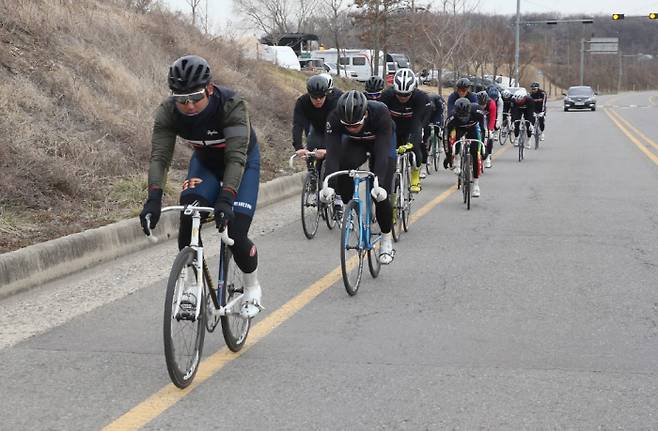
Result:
{"points": [[224, 209], [152, 206]]}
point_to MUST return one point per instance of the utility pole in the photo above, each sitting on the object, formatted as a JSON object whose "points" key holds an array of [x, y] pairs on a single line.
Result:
{"points": [[582, 61], [516, 42]]}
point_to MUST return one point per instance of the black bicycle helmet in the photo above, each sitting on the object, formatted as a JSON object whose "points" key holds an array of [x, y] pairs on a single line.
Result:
{"points": [[463, 83], [483, 98], [352, 107], [534, 86], [375, 84], [463, 109], [317, 86], [188, 73]]}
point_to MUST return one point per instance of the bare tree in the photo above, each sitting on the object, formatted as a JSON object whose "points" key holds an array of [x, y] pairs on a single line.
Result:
{"points": [[336, 26], [374, 17], [194, 4]]}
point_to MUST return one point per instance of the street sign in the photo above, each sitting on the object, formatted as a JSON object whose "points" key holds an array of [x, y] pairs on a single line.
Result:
{"points": [[603, 45]]}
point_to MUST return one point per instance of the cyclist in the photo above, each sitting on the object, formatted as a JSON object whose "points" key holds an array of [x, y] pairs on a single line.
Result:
{"points": [[374, 87], [494, 94], [489, 108], [539, 97], [463, 89], [467, 121], [224, 170], [506, 95], [435, 119], [409, 109], [310, 115], [523, 106], [359, 126]]}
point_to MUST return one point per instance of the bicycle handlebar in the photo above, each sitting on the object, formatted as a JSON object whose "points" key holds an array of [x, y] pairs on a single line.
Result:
{"points": [[188, 210], [310, 153], [352, 173]]}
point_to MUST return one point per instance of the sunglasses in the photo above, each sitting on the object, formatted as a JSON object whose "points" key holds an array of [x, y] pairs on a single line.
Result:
{"points": [[403, 94], [195, 97], [318, 96], [353, 125], [376, 95]]}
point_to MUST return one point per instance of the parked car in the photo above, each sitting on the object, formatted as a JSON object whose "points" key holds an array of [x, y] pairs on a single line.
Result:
{"points": [[580, 97], [331, 69]]}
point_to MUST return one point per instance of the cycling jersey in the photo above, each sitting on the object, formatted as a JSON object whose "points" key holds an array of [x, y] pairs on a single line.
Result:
{"points": [[347, 150], [539, 99], [306, 116], [523, 108], [470, 129], [409, 117]]}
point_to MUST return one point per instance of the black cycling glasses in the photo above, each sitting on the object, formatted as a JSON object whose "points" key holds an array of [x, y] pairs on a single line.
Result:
{"points": [[318, 96], [376, 95], [195, 97], [403, 94]]}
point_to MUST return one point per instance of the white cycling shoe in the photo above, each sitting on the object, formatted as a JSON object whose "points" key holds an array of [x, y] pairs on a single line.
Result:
{"points": [[456, 163], [476, 188], [487, 162], [253, 294], [386, 252], [541, 137]]}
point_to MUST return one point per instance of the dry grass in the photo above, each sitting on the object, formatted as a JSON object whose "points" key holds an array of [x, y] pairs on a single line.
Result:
{"points": [[81, 80]]}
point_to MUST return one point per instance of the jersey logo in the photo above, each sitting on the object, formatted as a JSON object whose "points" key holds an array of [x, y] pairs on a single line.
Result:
{"points": [[327, 128], [212, 132]]}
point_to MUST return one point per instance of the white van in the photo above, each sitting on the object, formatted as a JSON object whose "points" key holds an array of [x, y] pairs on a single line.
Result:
{"points": [[355, 61], [282, 56]]}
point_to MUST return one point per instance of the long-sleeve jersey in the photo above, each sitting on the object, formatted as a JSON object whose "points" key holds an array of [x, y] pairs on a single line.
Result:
{"points": [[409, 117], [539, 97], [472, 128], [376, 135], [499, 111], [491, 110], [436, 109], [221, 134], [453, 98], [306, 114]]}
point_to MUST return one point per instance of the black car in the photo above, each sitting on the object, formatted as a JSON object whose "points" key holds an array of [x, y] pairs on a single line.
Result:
{"points": [[580, 97]]}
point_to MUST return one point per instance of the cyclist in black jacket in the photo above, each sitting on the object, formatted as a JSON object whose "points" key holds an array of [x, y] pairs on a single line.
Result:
{"points": [[523, 106], [359, 126], [539, 98], [410, 109]]}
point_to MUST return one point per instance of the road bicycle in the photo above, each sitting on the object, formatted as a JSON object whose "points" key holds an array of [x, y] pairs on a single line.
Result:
{"points": [[193, 304], [464, 179], [312, 209], [506, 129], [523, 136], [537, 129], [360, 234], [401, 195], [434, 150]]}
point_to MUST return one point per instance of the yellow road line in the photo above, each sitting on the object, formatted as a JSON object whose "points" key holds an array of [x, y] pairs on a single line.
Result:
{"points": [[613, 116], [634, 129], [166, 397]]}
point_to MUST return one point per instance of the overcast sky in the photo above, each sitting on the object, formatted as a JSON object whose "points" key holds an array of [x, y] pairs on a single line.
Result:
{"points": [[221, 11]]}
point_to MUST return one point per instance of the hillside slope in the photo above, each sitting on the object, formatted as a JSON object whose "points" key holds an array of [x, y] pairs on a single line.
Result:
{"points": [[81, 80]]}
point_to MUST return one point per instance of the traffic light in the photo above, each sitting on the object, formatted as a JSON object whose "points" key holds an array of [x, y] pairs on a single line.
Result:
{"points": [[653, 15], [617, 16]]}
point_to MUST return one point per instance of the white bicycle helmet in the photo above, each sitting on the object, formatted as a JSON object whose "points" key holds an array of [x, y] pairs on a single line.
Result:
{"points": [[329, 79], [404, 82], [520, 94]]}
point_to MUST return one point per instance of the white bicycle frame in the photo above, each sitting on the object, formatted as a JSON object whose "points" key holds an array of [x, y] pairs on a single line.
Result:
{"points": [[195, 212]]}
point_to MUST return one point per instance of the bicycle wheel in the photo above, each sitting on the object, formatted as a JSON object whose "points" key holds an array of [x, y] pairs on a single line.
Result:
{"points": [[183, 333], [522, 137], [468, 165], [351, 252], [537, 133], [329, 216], [310, 210], [435, 154], [396, 203], [234, 327], [406, 204], [375, 239]]}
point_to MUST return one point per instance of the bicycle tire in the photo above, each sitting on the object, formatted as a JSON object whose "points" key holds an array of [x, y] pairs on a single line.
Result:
{"points": [[521, 143], [408, 197], [396, 203], [350, 240], [234, 328], [329, 217], [537, 133], [374, 265], [467, 180], [182, 374], [435, 154], [309, 207]]}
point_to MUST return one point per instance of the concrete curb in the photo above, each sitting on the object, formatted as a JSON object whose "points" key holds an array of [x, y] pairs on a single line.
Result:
{"points": [[40, 263]]}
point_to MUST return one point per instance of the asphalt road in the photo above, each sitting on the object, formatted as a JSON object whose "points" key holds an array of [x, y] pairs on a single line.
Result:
{"points": [[537, 309]]}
